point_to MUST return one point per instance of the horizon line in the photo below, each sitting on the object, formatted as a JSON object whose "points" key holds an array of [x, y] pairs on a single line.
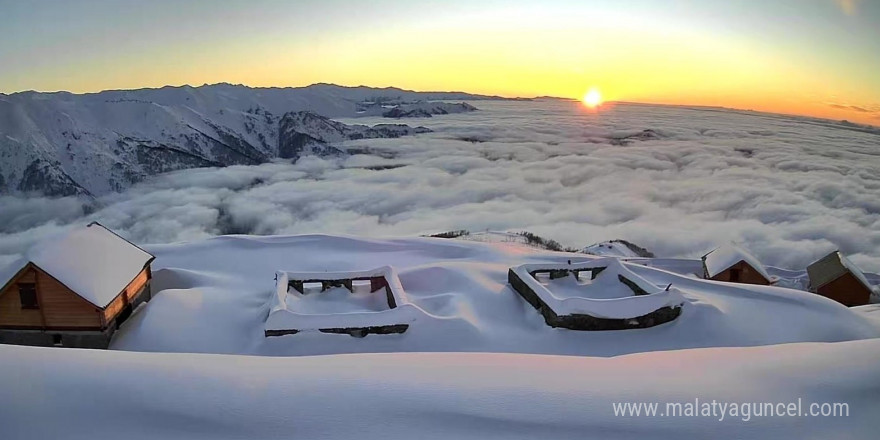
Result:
{"points": [[684, 105]]}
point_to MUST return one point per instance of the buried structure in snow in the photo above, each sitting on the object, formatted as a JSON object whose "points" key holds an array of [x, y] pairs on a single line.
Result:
{"points": [[835, 276], [611, 298], [734, 264], [339, 302]]}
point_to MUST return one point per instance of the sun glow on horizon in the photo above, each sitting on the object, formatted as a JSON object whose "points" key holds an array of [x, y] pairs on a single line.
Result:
{"points": [[712, 52], [593, 98]]}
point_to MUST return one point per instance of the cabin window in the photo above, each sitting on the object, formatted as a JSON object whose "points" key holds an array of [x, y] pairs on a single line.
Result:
{"points": [[28, 294]]}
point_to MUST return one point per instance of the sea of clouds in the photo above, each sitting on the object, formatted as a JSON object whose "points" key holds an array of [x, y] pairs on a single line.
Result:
{"points": [[789, 189]]}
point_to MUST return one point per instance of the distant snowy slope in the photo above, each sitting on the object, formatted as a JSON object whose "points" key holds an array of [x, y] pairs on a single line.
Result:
{"points": [[618, 248], [103, 394], [66, 144]]}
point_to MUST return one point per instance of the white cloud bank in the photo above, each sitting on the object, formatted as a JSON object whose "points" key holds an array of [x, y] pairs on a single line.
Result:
{"points": [[789, 189]]}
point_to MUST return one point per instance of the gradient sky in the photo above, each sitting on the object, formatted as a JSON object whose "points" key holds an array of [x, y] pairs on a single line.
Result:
{"points": [[815, 57]]}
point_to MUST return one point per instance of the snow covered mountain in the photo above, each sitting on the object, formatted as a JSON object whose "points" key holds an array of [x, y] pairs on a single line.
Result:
{"points": [[70, 144]]}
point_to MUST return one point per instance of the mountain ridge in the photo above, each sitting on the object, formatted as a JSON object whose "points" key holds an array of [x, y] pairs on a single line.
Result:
{"points": [[61, 143]]}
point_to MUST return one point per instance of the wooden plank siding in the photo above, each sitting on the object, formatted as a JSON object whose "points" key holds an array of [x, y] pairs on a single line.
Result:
{"points": [[127, 296], [846, 290], [11, 313], [60, 307], [747, 275]]}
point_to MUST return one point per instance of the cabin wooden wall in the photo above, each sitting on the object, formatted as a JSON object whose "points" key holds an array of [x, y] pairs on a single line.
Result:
{"points": [[846, 290], [747, 275], [127, 296], [62, 307], [59, 307], [11, 313], [137, 284]]}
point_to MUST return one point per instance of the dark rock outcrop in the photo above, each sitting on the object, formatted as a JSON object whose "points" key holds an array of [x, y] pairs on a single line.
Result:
{"points": [[50, 179], [306, 132]]}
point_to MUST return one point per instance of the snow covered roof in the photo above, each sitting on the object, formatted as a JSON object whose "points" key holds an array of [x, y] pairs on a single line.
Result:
{"points": [[92, 261], [723, 257], [831, 267]]}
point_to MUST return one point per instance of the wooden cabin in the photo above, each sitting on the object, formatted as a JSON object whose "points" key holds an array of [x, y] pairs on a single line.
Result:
{"points": [[733, 264], [835, 277], [73, 290]]}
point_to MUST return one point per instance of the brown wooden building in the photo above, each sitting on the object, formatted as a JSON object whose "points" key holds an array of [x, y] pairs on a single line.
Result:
{"points": [[733, 264], [73, 290], [835, 277]]}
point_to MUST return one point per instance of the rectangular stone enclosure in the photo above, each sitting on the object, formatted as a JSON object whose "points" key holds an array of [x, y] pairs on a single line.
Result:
{"points": [[381, 322], [585, 321]]}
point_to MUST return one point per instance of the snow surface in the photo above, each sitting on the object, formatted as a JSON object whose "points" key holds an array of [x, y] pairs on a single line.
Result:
{"points": [[605, 299], [91, 260], [86, 394], [214, 296], [601, 288], [335, 300], [723, 257]]}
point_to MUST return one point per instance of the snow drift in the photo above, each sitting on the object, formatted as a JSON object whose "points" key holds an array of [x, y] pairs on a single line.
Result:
{"points": [[93, 394]]}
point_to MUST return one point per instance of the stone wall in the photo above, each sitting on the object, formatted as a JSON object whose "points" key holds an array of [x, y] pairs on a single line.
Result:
{"points": [[587, 322], [54, 338], [376, 283]]}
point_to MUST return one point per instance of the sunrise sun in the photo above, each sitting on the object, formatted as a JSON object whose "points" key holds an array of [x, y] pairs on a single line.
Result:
{"points": [[593, 98]]}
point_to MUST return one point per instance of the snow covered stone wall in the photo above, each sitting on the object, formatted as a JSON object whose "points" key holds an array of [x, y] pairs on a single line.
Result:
{"points": [[338, 308], [646, 306]]}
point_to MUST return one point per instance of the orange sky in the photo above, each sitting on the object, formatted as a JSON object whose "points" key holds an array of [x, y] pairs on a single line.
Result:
{"points": [[813, 57]]}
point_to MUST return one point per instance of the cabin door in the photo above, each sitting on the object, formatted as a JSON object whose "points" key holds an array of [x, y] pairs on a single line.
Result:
{"points": [[734, 275]]}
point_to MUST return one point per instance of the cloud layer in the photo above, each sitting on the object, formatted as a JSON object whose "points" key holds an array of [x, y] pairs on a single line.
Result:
{"points": [[789, 189]]}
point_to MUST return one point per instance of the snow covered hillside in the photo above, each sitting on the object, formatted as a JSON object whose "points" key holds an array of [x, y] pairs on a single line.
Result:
{"points": [[93, 394], [214, 296], [66, 144], [618, 248]]}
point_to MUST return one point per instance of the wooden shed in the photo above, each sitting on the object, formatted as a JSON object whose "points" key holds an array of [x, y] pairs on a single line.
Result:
{"points": [[835, 277], [73, 290], [734, 264]]}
